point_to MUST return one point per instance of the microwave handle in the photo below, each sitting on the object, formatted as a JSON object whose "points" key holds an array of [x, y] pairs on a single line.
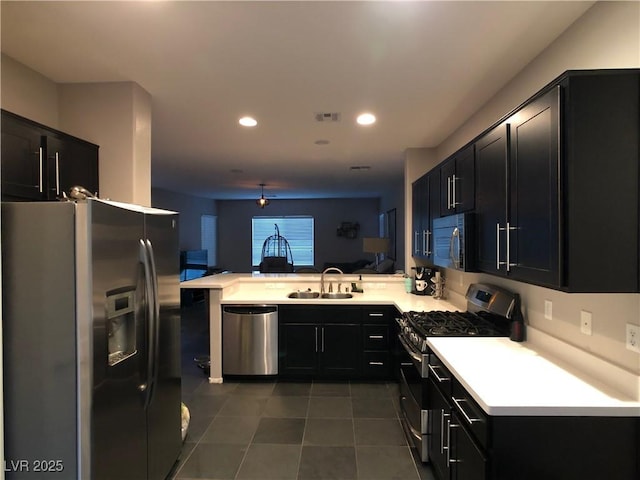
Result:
{"points": [[452, 253]]}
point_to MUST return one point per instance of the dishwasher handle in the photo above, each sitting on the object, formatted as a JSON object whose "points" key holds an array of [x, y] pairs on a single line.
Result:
{"points": [[249, 309]]}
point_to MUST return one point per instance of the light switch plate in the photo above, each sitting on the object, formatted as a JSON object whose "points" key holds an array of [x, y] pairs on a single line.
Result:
{"points": [[548, 310], [585, 322]]}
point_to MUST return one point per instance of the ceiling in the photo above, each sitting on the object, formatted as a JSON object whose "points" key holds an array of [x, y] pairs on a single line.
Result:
{"points": [[421, 67]]}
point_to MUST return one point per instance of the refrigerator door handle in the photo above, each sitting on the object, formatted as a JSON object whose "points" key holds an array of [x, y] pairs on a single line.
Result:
{"points": [[156, 319], [147, 386]]}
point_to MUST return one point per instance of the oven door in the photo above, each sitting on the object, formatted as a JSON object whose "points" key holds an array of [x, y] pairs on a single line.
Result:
{"points": [[413, 405]]}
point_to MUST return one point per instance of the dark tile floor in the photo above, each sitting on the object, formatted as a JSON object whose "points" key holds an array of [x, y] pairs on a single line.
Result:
{"points": [[288, 430]]}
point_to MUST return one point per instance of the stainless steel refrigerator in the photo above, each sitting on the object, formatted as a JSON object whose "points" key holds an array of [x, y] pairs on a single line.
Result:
{"points": [[91, 327]]}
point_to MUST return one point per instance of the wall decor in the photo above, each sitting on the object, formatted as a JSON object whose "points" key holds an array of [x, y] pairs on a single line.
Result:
{"points": [[348, 230]]}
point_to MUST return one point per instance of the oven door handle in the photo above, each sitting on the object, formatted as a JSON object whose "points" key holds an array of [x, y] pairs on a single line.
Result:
{"points": [[417, 357]]}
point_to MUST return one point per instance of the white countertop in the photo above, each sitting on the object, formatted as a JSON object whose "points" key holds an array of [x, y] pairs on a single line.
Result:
{"points": [[504, 377], [510, 378], [247, 288]]}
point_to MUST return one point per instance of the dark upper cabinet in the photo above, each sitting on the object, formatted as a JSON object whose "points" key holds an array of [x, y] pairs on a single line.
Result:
{"points": [[517, 195], [532, 233], [71, 162], [457, 182], [426, 207], [600, 201], [492, 152], [557, 186], [22, 155], [39, 163]]}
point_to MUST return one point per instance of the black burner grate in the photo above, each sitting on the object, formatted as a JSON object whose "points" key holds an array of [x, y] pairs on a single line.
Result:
{"points": [[457, 324]]}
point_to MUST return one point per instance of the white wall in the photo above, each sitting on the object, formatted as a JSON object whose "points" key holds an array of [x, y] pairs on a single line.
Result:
{"points": [[190, 208], [607, 36], [28, 93], [115, 116]]}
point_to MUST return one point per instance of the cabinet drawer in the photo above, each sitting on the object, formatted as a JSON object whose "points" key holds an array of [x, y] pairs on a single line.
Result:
{"points": [[382, 314], [376, 364], [375, 337]]}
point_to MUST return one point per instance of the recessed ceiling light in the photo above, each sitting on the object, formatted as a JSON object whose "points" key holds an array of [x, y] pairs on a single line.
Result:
{"points": [[366, 119], [248, 122]]}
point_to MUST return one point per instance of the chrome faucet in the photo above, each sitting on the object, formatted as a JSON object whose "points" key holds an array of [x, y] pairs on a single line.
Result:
{"points": [[326, 270]]}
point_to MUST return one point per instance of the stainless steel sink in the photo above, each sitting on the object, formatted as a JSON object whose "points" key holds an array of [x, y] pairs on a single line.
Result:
{"points": [[304, 294], [337, 295]]}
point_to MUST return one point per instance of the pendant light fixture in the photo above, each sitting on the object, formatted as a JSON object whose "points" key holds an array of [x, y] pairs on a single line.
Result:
{"points": [[262, 202]]}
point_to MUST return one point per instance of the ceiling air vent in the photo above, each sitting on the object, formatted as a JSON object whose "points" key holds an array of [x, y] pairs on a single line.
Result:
{"points": [[327, 117]]}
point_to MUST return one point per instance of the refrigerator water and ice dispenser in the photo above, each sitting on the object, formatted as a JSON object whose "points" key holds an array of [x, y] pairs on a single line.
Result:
{"points": [[121, 324]]}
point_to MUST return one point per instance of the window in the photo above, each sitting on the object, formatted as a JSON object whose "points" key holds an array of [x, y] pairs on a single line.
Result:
{"points": [[298, 230], [208, 228]]}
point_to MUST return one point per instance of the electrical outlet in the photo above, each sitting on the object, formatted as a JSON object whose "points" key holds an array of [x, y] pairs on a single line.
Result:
{"points": [[633, 337], [548, 310], [585, 322]]}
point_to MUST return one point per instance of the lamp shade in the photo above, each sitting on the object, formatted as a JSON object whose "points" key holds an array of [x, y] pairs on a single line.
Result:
{"points": [[375, 245]]}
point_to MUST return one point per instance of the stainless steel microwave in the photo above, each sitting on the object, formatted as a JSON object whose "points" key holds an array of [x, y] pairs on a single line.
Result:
{"points": [[453, 242]]}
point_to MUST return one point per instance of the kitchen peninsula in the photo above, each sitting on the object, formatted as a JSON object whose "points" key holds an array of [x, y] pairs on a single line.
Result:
{"points": [[274, 289]]}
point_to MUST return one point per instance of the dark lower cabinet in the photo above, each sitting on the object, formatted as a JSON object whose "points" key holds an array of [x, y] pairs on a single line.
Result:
{"points": [[465, 443], [439, 430], [298, 350], [467, 460], [40, 163], [319, 349], [337, 355], [332, 341]]}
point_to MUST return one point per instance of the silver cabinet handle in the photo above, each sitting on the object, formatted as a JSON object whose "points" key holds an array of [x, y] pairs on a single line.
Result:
{"points": [[449, 427], [426, 244], [415, 241], [439, 378], [458, 402], [442, 418], [376, 314], [40, 151], [453, 192], [57, 174], [376, 363], [316, 339], [497, 246], [508, 230], [376, 337], [322, 344]]}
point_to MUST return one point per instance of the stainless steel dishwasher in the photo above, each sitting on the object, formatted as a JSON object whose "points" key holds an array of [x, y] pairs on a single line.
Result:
{"points": [[249, 340]]}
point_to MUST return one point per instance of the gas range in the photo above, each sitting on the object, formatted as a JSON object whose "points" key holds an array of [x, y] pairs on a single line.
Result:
{"points": [[417, 326], [490, 312]]}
